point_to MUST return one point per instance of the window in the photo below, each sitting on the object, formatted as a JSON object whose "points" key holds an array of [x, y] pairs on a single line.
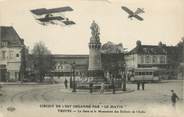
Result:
{"points": [[154, 59], [8, 75], [4, 44], [11, 54], [136, 73], [3, 54], [17, 55], [139, 73], [162, 59], [61, 67], [147, 59], [16, 75], [142, 59], [155, 74]]}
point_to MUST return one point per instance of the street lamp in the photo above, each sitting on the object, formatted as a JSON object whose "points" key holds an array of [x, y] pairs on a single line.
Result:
{"points": [[74, 83], [71, 85], [124, 78], [113, 86]]}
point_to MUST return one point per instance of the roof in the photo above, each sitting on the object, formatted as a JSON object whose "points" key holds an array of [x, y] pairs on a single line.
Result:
{"points": [[70, 56], [8, 34], [149, 49]]}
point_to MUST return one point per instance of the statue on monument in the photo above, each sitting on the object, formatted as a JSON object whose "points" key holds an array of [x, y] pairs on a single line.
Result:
{"points": [[95, 31]]}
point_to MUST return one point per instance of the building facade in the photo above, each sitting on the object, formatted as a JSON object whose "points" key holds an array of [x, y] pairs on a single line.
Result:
{"points": [[138, 60], [159, 56], [111, 57], [64, 63], [11, 46]]}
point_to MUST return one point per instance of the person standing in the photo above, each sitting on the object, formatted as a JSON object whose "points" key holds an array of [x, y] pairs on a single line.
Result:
{"points": [[71, 84], [143, 84], [91, 87], [138, 85], [174, 98], [66, 83], [113, 86]]}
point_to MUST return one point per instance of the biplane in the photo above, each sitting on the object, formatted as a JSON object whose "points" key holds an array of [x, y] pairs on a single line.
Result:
{"points": [[52, 16], [134, 14]]}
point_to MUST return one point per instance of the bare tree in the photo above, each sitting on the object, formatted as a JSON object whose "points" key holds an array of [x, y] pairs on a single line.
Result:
{"points": [[42, 60]]}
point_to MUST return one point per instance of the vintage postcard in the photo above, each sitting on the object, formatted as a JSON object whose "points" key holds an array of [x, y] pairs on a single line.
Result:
{"points": [[91, 58]]}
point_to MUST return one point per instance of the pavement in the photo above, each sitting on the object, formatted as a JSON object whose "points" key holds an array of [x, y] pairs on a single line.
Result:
{"points": [[22, 83], [157, 91], [154, 95]]}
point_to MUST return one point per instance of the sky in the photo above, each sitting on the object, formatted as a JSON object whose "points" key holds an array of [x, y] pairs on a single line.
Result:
{"points": [[163, 21]]}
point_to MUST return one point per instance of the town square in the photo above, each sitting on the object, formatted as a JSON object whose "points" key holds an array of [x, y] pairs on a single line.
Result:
{"points": [[67, 57]]}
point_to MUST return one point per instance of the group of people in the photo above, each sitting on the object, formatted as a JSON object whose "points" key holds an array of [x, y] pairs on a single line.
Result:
{"points": [[142, 84], [102, 87], [174, 97]]}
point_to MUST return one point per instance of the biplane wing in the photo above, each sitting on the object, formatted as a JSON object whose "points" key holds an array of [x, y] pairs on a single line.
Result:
{"points": [[47, 19], [43, 11], [138, 17], [130, 12], [39, 11], [68, 22]]}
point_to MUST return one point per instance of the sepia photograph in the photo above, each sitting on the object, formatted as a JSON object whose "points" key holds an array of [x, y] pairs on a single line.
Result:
{"points": [[91, 58]]}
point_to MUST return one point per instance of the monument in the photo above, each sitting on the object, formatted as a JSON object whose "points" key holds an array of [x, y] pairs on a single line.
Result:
{"points": [[95, 72]]}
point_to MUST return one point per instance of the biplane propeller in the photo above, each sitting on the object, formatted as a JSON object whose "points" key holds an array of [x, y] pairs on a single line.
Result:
{"points": [[52, 16], [134, 14]]}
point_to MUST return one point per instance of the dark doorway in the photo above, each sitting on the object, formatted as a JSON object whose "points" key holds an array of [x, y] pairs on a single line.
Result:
{"points": [[3, 73]]}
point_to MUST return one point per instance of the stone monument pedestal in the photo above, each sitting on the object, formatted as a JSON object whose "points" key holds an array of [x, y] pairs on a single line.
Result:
{"points": [[95, 72], [96, 76]]}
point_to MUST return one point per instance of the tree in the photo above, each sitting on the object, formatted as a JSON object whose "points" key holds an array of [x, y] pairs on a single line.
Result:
{"points": [[42, 60], [111, 48], [138, 43], [113, 62], [180, 57], [180, 53], [112, 57], [24, 55]]}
